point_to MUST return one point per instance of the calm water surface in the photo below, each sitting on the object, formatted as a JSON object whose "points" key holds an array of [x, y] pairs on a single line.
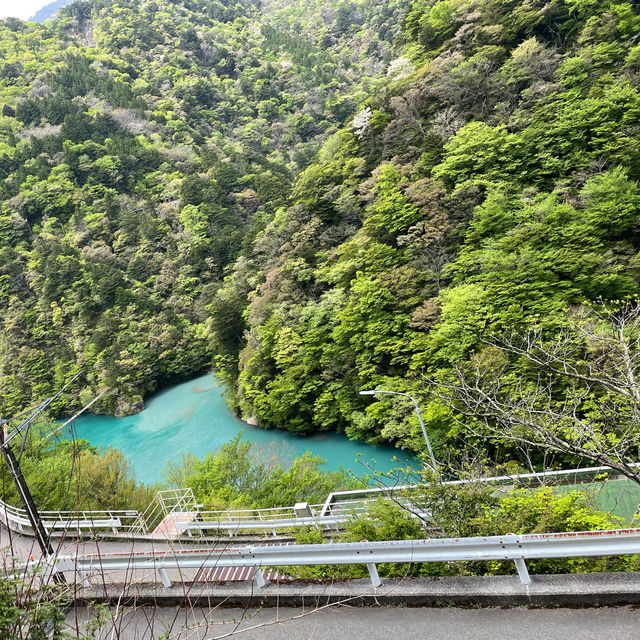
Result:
{"points": [[194, 417]]}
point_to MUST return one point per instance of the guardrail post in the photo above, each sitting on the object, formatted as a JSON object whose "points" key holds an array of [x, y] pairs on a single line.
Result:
{"points": [[521, 565], [523, 572], [257, 574], [84, 579], [373, 574], [162, 572]]}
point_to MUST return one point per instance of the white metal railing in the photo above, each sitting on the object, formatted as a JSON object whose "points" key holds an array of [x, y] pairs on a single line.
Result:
{"points": [[190, 517], [565, 476], [341, 505], [88, 521], [232, 521], [274, 519], [517, 548], [118, 521], [172, 500], [165, 503], [16, 519], [301, 515]]}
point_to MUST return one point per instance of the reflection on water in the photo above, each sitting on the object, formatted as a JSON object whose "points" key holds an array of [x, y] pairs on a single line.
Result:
{"points": [[193, 416]]}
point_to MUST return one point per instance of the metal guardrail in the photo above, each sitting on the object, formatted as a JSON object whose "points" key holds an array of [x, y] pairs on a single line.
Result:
{"points": [[517, 548], [341, 505], [232, 521], [17, 520], [187, 516], [87, 521], [164, 503]]}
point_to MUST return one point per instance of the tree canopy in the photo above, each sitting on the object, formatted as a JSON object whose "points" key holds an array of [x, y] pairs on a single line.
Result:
{"points": [[312, 198]]}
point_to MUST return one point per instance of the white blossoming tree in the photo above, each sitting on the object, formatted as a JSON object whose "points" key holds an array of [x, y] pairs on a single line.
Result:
{"points": [[361, 122]]}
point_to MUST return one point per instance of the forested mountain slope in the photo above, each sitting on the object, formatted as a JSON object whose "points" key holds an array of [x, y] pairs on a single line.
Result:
{"points": [[490, 185], [316, 197], [143, 144]]}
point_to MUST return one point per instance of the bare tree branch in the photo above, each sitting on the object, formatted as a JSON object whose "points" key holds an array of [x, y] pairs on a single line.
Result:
{"points": [[581, 396]]}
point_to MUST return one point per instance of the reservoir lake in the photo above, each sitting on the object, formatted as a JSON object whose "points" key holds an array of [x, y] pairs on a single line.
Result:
{"points": [[193, 416]]}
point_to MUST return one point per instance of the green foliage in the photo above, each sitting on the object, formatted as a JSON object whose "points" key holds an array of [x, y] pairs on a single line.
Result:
{"points": [[143, 146], [29, 611], [391, 210], [383, 520], [544, 510], [243, 476], [473, 509], [456, 510], [25, 613], [72, 475], [493, 188], [163, 209]]}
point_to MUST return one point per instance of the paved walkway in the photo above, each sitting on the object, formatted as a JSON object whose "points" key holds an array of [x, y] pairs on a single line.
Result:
{"points": [[24, 548]]}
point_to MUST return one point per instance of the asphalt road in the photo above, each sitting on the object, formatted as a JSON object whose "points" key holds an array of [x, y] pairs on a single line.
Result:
{"points": [[384, 623]]}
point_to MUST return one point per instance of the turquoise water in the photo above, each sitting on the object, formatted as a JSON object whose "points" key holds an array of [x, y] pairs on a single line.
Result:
{"points": [[193, 416]]}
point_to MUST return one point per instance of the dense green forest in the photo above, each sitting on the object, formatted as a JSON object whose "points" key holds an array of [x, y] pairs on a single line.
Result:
{"points": [[143, 146], [314, 198], [490, 187]]}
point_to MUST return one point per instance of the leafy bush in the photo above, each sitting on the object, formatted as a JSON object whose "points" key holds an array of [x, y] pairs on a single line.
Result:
{"points": [[237, 475], [483, 511], [73, 475]]}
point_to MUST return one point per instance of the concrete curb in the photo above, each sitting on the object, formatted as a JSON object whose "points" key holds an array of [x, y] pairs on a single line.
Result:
{"points": [[490, 591]]}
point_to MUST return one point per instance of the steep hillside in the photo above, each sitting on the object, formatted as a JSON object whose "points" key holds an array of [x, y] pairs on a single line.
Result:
{"points": [[489, 185], [142, 146], [316, 197]]}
